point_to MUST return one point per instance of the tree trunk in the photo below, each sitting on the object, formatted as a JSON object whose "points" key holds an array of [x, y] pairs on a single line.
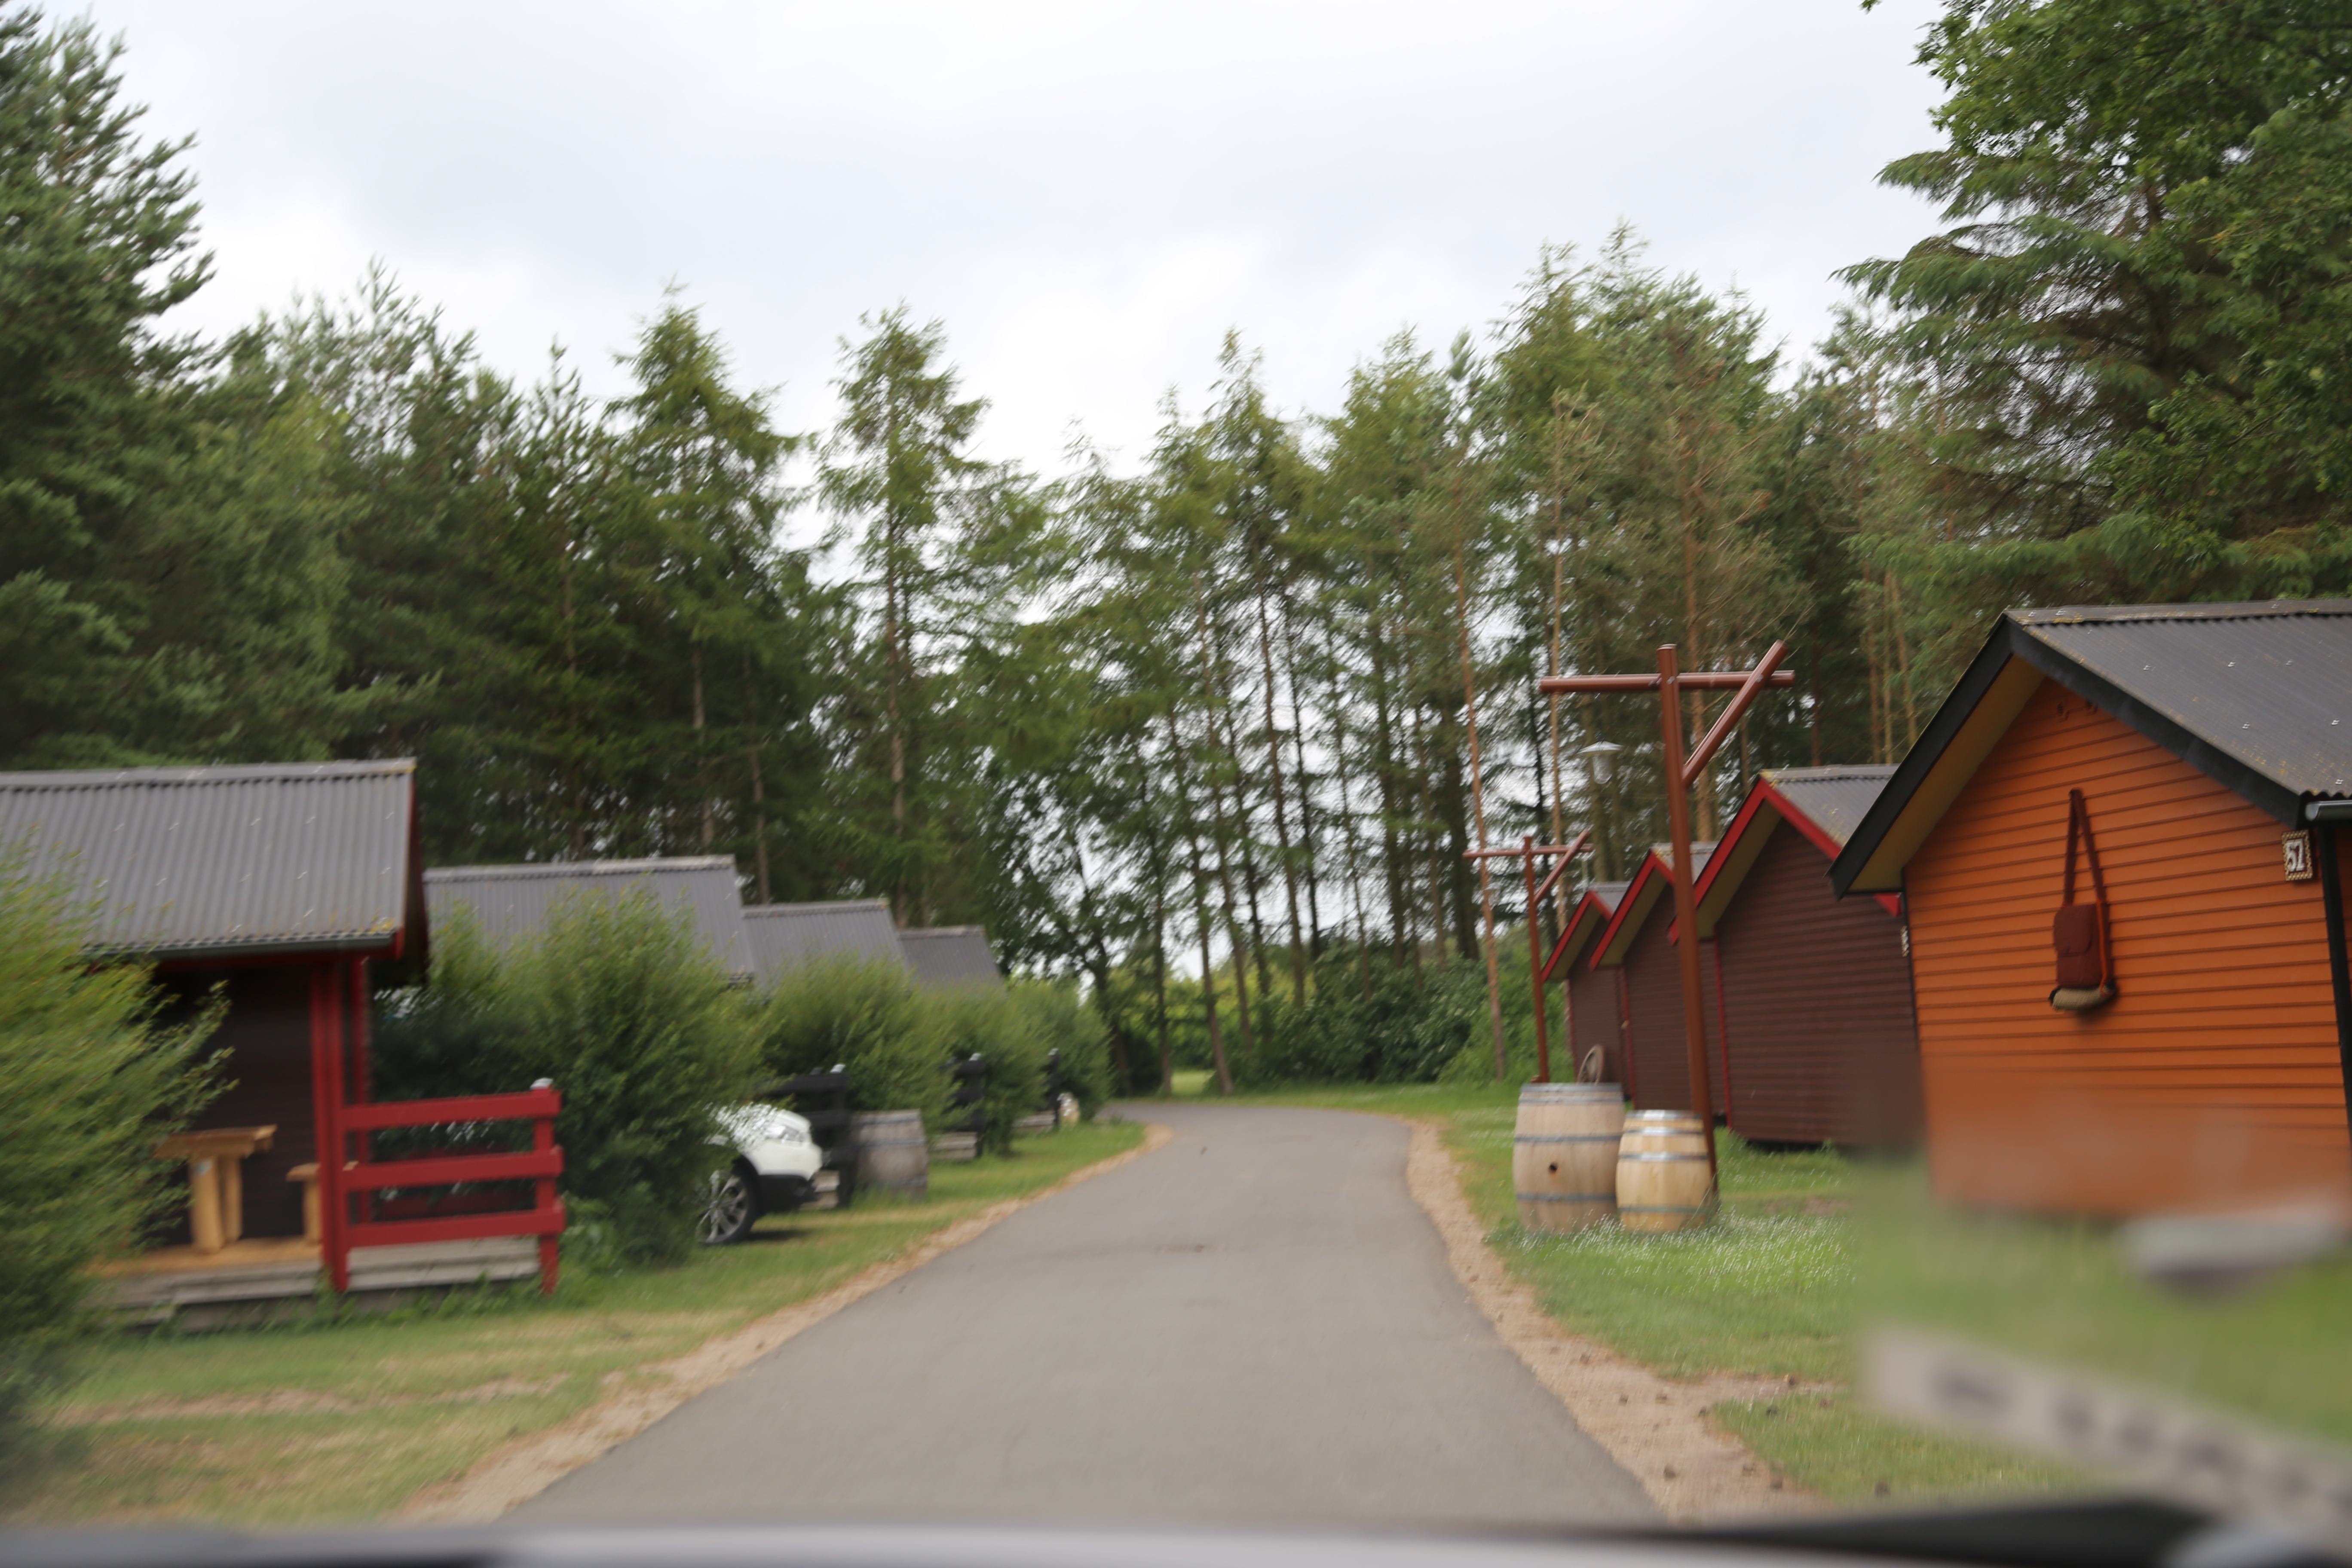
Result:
{"points": [[1384, 770], [1200, 916], [1274, 778], [1305, 785]]}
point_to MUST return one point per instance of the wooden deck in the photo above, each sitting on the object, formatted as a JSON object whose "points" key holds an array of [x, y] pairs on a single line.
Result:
{"points": [[276, 1268]]}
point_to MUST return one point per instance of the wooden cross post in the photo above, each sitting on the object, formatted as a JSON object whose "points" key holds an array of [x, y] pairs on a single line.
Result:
{"points": [[1670, 683], [1526, 855]]}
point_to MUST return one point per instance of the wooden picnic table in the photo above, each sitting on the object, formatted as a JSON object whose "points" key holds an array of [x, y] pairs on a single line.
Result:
{"points": [[216, 1157]]}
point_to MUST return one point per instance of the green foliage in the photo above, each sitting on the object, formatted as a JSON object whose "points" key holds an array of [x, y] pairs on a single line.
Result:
{"points": [[863, 1015], [93, 1075], [617, 1001], [1054, 1018]]}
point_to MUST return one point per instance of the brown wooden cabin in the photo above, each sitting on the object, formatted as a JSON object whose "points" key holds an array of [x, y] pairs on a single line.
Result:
{"points": [[1818, 1044], [2212, 744], [1638, 946], [1595, 1021], [292, 889]]}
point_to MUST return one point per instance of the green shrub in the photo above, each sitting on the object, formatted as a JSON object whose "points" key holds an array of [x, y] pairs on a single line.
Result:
{"points": [[92, 1076], [860, 1014], [1057, 1019], [619, 1002], [1405, 1031], [977, 1020]]}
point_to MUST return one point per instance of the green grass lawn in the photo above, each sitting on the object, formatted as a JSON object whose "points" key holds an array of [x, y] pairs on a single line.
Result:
{"points": [[342, 1421]]}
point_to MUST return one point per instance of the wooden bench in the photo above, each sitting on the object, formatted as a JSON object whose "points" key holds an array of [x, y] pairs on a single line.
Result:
{"points": [[307, 1173], [216, 1157]]}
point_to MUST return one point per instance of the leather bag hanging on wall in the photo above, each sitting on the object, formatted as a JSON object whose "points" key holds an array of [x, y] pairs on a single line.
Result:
{"points": [[2086, 976]]}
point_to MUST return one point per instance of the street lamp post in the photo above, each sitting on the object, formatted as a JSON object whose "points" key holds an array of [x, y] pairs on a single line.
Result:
{"points": [[1681, 773]]}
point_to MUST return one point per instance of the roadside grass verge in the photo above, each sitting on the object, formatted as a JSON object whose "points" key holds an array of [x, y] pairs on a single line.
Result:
{"points": [[342, 1421], [1768, 1291]]}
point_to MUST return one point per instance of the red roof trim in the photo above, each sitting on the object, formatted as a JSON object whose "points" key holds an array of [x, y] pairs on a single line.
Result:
{"points": [[1627, 905], [1726, 851]]}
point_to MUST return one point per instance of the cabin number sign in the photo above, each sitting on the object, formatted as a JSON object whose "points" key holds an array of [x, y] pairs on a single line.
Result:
{"points": [[2294, 851]]}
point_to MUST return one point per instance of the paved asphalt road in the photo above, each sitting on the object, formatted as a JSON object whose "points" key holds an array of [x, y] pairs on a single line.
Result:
{"points": [[1254, 1324]]}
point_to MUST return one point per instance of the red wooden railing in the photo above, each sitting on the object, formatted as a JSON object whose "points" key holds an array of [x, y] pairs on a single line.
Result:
{"points": [[541, 1165]]}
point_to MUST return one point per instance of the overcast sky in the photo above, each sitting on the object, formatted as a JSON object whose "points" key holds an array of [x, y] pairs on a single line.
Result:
{"points": [[1087, 196]]}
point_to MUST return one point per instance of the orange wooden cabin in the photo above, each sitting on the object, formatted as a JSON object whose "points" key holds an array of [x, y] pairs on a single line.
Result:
{"points": [[1817, 1041], [2213, 747], [1638, 948]]}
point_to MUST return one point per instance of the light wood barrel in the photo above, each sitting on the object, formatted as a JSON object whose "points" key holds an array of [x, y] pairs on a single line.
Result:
{"points": [[1662, 1172], [1564, 1154], [893, 1155]]}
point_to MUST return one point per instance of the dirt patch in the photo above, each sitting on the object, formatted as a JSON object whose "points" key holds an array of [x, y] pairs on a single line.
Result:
{"points": [[510, 1476], [1655, 1428], [300, 1401]]}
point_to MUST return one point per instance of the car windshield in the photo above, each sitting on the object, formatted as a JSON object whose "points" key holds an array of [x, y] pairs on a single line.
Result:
{"points": [[1559, 778]]}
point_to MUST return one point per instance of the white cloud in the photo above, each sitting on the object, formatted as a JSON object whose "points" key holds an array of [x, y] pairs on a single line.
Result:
{"points": [[1087, 195]]}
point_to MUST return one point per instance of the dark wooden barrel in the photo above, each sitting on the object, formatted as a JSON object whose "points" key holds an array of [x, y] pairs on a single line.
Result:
{"points": [[893, 1155]]}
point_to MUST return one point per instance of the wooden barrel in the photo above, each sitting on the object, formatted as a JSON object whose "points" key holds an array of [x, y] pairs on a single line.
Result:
{"points": [[1564, 1154], [1662, 1175], [893, 1156]]}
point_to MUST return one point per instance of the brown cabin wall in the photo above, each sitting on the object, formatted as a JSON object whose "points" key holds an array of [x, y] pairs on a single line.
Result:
{"points": [[1597, 1022], [1819, 1041], [2213, 1079], [267, 1037], [1658, 1074]]}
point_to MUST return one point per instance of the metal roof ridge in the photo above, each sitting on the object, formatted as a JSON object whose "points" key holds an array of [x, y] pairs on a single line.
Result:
{"points": [[816, 905], [530, 869], [2244, 609], [207, 773]]}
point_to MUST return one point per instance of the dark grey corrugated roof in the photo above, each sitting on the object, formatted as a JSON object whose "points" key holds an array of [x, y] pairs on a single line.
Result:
{"points": [[2252, 695], [509, 902], [950, 955], [1834, 799], [784, 934], [227, 861], [2268, 684]]}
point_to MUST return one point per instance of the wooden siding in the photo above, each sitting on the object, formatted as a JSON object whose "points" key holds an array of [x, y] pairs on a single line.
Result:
{"points": [[1594, 992], [1817, 1003], [1658, 1075], [2213, 1079]]}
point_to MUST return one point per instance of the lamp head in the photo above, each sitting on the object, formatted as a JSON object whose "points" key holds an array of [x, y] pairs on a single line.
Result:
{"points": [[1601, 757]]}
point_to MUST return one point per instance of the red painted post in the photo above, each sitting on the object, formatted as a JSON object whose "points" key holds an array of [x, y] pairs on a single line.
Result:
{"points": [[1535, 961], [326, 1113], [543, 1141], [1678, 829], [362, 1085]]}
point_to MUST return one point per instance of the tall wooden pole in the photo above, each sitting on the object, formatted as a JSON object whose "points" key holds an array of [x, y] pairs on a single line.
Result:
{"points": [[1678, 831], [1681, 773], [1535, 962]]}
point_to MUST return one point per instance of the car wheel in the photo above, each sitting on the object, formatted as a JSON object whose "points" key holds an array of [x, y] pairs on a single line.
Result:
{"points": [[733, 1206]]}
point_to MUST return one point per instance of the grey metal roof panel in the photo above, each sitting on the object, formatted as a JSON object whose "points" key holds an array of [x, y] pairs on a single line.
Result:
{"points": [[1834, 800], [2250, 694], [512, 902], [950, 956], [782, 935], [2268, 685], [226, 861], [1610, 894]]}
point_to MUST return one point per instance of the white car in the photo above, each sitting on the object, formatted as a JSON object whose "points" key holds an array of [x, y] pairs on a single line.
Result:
{"points": [[774, 1171]]}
